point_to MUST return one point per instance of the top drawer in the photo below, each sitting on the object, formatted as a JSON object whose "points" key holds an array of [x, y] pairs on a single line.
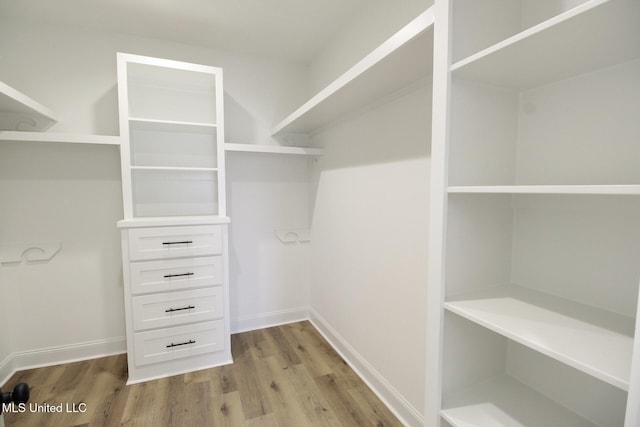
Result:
{"points": [[174, 242]]}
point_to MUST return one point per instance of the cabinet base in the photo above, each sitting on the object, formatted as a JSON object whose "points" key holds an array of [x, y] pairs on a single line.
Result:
{"points": [[138, 374]]}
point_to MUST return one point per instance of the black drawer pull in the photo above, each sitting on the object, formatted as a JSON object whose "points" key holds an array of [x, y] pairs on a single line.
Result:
{"points": [[166, 276], [181, 343], [181, 242], [171, 310]]}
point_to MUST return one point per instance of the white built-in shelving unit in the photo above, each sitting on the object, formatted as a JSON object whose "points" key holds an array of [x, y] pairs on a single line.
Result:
{"points": [[534, 282], [404, 59], [174, 231], [173, 138]]}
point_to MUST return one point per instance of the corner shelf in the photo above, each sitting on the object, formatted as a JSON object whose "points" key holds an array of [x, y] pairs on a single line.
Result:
{"points": [[19, 112], [538, 55], [273, 149], [401, 60], [594, 341]]}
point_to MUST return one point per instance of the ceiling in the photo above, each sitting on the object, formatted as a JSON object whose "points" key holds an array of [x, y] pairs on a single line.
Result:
{"points": [[289, 29]]}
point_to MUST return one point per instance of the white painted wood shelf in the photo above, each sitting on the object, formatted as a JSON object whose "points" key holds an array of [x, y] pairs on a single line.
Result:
{"points": [[71, 138], [23, 119], [574, 42], [403, 59], [593, 341], [504, 402], [171, 125], [170, 221], [18, 112], [273, 149], [173, 168], [548, 189]]}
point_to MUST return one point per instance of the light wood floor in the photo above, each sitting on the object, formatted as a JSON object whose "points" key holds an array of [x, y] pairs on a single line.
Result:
{"points": [[282, 376]]}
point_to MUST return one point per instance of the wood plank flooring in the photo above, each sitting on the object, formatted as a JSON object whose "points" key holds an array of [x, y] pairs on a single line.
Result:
{"points": [[282, 376]]}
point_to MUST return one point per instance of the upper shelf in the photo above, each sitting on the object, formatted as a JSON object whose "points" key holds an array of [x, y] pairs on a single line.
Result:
{"points": [[18, 112], [575, 42], [404, 58]]}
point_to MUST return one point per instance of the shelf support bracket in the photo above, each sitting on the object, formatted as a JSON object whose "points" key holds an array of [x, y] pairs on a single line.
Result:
{"points": [[16, 253]]}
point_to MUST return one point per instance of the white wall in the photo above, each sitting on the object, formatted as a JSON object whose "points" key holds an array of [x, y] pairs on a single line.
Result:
{"points": [[369, 234], [270, 279], [377, 21], [72, 194]]}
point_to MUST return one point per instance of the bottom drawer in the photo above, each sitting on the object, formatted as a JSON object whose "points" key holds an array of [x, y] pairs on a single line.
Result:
{"points": [[160, 345]]}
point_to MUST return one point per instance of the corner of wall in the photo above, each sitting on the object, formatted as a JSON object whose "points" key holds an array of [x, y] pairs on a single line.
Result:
{"points": [[400, 407]]}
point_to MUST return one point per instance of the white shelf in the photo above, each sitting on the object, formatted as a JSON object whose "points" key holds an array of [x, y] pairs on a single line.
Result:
{"points": [[505, 402], [171, 125], [59, 137], [593, 341], [404, 58], [19, 112], [273, 149], [548, 189], [171, 221], [173, 168], [580, 40]]}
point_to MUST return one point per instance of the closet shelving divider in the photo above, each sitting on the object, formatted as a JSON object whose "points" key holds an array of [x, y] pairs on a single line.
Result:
{"points": [[534, 292]]}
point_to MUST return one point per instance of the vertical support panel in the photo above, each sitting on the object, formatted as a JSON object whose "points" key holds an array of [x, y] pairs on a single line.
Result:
{"points": [[125, 150], [222, 198], [438, 209], [632, 416]]}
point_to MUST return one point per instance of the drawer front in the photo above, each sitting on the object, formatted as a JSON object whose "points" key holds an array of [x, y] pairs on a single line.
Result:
{"points": [[174, 242], [176, 308], [161, 345], [175, 274]]}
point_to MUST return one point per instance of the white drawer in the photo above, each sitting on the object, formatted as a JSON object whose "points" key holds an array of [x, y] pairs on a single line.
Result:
{"points": [[174, 242], [160, 345], [175, 274], [176, 308]]}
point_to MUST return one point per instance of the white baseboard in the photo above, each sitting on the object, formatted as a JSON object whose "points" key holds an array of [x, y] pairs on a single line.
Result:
{"points": [[22, 360], [402, 409], [7, 369], [266, 320]]}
